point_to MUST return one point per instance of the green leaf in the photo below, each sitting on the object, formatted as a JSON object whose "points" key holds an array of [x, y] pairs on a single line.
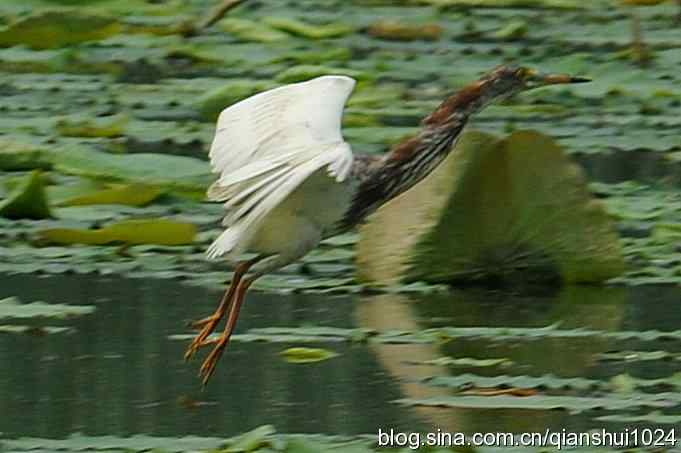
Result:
{"points": [[57, 28], [495, 210], [307, 355], [213, 102], [12, 308], [468, 362], [85, 194], [528, 382], [251, 441], [249, 30], [32, 330], [107, 127], [147, 231], [305, 72], [655, 417], [399, 31], [16, 155], [305, 30], [162, 170], [28, 200], [574, 404]]}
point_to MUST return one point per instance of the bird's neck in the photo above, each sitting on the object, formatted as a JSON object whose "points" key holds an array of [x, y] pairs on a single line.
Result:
{"points": [[413, 159]]}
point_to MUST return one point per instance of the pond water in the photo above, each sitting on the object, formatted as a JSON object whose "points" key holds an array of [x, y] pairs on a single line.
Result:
{"points": [[119, 373]]}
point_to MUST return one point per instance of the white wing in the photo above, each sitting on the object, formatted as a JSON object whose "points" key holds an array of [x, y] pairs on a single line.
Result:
{"points": [[268, 144]]}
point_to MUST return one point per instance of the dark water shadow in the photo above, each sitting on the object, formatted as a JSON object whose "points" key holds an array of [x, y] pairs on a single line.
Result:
{"points": [[120, 374]]}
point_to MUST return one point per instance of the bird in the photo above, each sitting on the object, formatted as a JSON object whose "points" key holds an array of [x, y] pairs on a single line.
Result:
{"points": [[288, 179]]}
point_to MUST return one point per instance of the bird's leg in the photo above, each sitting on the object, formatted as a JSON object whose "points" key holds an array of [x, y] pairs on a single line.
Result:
{"points": [[208, 366], [207, 325]]}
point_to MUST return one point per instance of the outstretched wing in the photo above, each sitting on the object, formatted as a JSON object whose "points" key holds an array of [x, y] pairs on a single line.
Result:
{"points": [[268, 144]]}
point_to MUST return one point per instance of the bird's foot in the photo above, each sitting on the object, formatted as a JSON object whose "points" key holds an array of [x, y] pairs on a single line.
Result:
{"points": [[208, 366], [207, 325]]}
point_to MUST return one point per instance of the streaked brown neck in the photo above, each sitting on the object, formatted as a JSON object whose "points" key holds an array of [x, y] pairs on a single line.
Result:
{"points": [[413, 159]]}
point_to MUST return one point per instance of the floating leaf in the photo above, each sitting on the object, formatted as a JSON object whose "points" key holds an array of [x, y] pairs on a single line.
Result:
{"points": [[638, 356], [574, 404], [162, 170], [147, 231], [248, 30], [299, 28], [23, 156], [305, 72], [12, 308], [57, 28], [398, 31], [307, 355], [468, 362], [528, 382], [655, 417], [212, 103], [33, 330], [251, 441], [28, 200], [513, 31], [125, 194], [107, 127]]}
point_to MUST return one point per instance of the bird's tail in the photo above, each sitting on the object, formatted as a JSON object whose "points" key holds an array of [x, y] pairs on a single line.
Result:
{"points": [[227, 243]]}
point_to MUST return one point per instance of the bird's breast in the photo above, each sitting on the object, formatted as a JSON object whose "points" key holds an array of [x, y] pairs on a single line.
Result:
{"points": [[309, 214]]}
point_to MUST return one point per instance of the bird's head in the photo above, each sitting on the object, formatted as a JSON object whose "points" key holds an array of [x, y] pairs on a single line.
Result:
{"points": [[505, 81]]}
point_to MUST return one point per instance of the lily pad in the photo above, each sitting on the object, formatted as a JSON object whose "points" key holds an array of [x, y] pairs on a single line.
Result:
{"points": [[58, 28], [12, 308], [212, 103], [397, 31], [178, 172], [33, 330], [85, 194], [251, 440], [147, 231], [306, 72], [307, 355], [105, 127], [306, 30], [28, 200], [574, 404], [23, 156], [249, 30]]}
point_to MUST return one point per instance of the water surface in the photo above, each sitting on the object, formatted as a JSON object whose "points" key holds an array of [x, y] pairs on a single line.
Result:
{"points": [[120, 374]]}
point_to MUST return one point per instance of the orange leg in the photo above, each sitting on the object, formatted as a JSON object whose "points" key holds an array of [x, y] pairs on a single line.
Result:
{"points": [[211, 361], [208, 324]]}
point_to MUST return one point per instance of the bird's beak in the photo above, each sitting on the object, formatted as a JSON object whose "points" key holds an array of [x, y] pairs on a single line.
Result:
{"points": [[539, 79]]}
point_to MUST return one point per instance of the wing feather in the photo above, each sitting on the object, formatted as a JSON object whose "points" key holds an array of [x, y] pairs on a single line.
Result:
{"points": [[267, 145]]}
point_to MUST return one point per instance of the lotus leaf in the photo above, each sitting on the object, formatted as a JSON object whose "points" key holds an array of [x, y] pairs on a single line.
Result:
{"points": [[248, 30], [212, 103], [299, 28], [134, 194], [28, 200], [305, 72], [306, 355], [23, 156], [177, 172], [147, 231], [58, 28], [12, 308], [494, 210], [107, 127]]}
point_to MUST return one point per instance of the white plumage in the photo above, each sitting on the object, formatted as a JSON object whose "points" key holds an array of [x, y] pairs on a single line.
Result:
{"points": [[267, 146]]}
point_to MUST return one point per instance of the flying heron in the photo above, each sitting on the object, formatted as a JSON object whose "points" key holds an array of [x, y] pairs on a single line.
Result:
{"points": [[288, 179]]}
